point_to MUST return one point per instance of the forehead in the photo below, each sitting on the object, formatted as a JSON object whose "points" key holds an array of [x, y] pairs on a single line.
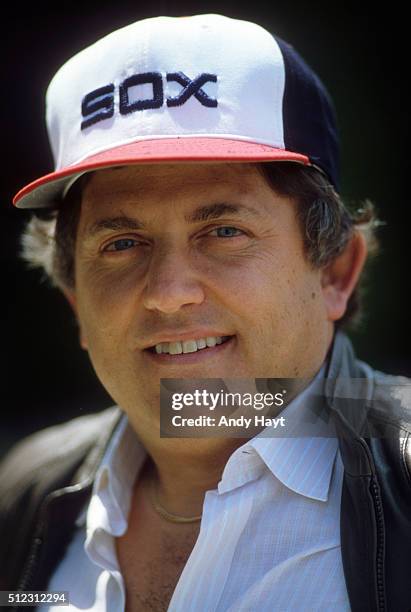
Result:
{"points": [[177, 185]]}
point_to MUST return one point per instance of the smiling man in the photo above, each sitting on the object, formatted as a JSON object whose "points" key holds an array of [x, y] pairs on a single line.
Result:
{"points": [[198, 234]]}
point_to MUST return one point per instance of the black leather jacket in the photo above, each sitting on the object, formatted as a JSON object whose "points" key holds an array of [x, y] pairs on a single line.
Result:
{"points": [[47, 479]]}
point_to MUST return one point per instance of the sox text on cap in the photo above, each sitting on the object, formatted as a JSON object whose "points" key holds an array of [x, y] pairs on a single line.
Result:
{"points": [[192, 89]]}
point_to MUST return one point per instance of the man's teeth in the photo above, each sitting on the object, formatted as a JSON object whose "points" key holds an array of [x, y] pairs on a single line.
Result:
{"points": [[189, 346]]}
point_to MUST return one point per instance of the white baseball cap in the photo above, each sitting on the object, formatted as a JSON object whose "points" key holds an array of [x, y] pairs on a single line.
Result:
{"points": [[184, 89]]}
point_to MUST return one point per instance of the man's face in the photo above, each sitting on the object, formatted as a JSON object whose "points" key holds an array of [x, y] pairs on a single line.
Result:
{"points": [[146, 272]]}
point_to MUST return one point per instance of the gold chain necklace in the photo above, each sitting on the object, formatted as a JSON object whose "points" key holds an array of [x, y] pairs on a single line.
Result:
{"points": [[173, 518]]}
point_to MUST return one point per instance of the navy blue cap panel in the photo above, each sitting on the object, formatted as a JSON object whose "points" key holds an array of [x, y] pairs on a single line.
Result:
{"points": [[313, 131]]}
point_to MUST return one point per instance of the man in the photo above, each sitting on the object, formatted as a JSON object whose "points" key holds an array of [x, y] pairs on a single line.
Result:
{"points": [[198, 233]]}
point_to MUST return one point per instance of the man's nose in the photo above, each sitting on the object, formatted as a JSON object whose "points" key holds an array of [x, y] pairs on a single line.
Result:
{"points": [[173, 281]]}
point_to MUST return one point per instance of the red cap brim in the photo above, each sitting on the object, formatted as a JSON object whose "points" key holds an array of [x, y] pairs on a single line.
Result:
{"points": [[47, 190]]}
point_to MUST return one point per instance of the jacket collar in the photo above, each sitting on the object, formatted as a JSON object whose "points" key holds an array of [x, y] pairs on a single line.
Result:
{"points": [[348, 394]]}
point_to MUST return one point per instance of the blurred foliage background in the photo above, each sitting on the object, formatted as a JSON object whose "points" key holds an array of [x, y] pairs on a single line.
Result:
{"points": [[359, 51]]}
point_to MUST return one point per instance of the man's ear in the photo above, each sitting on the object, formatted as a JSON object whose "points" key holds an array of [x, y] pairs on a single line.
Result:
{"points": [[339, 278], [71, 298]]}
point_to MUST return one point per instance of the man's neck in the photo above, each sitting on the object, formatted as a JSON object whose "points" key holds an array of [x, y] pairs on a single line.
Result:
{"points": [[183, 473], [183, 469]]}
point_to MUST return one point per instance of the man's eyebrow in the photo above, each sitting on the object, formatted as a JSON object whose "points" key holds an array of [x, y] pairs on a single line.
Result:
{"points": [[115, 224], [202, 213], [215, 211]]}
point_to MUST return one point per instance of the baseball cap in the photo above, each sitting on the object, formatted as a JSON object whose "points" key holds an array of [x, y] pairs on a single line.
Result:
{"points": [[201, 88]]}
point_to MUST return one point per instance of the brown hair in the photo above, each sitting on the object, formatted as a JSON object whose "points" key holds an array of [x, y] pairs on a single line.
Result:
{"points": [[327, 224]]}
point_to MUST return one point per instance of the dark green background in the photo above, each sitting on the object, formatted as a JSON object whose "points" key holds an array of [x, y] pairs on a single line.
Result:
{"points": [[361, 54]]}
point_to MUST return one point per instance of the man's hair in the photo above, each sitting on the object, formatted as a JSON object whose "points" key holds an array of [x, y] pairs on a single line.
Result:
{"points": [[326, 223]]}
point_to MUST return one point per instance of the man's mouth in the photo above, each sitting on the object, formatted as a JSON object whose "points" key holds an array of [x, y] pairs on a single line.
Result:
{"points": [[193, 345]]}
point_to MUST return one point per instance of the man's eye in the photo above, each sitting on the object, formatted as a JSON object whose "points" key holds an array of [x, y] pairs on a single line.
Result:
{"points": [[225, 231], [122, 244]]}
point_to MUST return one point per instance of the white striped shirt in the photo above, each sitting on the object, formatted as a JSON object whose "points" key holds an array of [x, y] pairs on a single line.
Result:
{"points": [[269, 538]]}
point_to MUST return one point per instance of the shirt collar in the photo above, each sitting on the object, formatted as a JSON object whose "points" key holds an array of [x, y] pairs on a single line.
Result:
{"points": [[113, 485], [107, 512], [303, 461], [303, 464]]}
